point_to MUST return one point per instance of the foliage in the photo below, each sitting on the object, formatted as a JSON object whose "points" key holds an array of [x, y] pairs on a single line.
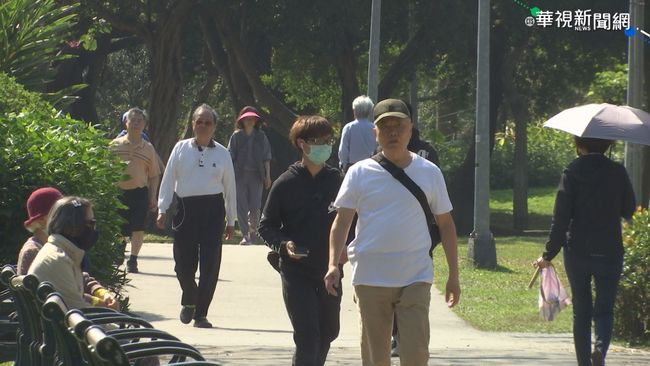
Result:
{"points": [[632, 315], [451, 153], [498, 300], [549, 152], [34, 32], [40, 148], [609, 86], [125, 84]]}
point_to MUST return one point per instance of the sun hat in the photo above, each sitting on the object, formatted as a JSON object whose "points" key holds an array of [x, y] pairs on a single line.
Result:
{"points": [[40, 202], [248, 114]]}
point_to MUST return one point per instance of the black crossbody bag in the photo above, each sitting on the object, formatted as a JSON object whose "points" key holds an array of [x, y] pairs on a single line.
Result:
{"points": [[417, 192]]}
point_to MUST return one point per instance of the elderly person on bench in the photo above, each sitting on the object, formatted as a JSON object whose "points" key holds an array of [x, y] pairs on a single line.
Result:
{"points": [[71, 227]]}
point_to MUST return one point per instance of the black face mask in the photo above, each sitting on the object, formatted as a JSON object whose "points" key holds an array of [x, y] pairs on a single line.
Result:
{"points": [[87, 239]]}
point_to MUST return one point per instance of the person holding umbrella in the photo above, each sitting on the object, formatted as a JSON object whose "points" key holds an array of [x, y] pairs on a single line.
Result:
{"points": [[593, 195]]}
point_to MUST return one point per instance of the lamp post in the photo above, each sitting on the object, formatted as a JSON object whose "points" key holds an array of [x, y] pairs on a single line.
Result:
{"points": [[481, 247], [373, 52], [634, 152]]}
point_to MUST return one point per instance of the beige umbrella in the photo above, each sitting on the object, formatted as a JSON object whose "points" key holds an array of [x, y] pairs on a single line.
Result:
{"points": [[604, 121]]}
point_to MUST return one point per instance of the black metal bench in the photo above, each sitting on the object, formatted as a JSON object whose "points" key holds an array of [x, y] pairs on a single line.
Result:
{"points": [[50, 334], [8, 325], [106, 350]]}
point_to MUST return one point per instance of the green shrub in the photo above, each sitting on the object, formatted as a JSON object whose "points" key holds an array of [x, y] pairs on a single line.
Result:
{"points": [[40, 148], [549, 152], [632, 315]]}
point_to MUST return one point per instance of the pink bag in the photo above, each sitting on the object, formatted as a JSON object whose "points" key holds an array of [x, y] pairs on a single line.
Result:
{"points": [[552, 296]]}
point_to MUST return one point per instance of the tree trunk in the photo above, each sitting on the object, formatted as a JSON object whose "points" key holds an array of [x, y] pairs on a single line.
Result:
{"points": [[86, 68], [239, 55], [405, 62], [240, 93], [241, 77], [346, 68], [645, 175], [165, 49], [461, 193], [203, 94], [520, 166], [519, 112]]}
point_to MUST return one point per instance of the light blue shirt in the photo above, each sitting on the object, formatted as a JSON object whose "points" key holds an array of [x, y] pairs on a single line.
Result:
{"points": [[357, 142]]}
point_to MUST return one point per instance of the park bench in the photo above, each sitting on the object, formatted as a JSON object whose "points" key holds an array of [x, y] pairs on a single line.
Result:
{"points": [[50, 334], [135, 343], [29, 335], [8, 325], [106, 350], [54, 313]]}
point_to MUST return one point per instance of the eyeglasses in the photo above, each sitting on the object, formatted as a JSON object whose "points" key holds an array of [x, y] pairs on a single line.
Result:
{"points": [[92, 223], [321, 141]]}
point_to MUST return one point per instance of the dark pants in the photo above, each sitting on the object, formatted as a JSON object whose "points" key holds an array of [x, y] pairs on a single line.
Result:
{"points": [[606, 273], [314, 316], [199, 225], [137, 203]]}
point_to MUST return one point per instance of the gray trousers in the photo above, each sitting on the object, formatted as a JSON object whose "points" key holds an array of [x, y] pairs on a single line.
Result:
{"points": [[249, 200]]}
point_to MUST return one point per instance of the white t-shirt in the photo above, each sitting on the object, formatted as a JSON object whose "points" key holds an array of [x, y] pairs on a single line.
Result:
{"points": [[391, 247]]}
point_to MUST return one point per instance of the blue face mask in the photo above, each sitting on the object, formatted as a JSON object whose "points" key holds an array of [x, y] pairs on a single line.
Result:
{"points": [[318, 154]]}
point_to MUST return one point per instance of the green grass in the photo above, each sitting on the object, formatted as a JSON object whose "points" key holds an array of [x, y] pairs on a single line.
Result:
{"points": [[498, 300], [540, 210]]}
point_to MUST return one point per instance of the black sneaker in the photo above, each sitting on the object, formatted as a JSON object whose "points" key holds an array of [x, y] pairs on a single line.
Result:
{"points": [[597, 358], [202, 323], [132, 265], [187, 313]]}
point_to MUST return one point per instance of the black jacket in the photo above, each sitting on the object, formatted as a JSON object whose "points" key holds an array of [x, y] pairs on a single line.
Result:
{"points": [[593, 195], [299, 209], [422, 148]]}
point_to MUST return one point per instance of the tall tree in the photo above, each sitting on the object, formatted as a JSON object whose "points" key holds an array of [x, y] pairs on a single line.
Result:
{"points": [[159, 24]]}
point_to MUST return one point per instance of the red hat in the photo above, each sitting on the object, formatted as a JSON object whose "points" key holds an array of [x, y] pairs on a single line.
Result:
{"points": [[40, 202], [248, 114]]}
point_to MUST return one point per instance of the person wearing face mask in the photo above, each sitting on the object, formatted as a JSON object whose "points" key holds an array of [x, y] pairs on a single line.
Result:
{"points": [[295, 224], [39, 204], [251, 157], [72, 232]]}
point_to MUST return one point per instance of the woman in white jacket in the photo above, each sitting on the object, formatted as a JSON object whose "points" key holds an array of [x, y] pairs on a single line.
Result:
{"points": [[72, 232]]}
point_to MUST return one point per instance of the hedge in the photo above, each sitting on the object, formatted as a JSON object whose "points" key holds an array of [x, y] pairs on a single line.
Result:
{"points": [[632, 315], [42, 148]]}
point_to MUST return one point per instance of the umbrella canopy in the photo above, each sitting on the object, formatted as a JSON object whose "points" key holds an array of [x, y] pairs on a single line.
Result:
{"points": [[604, 121]]}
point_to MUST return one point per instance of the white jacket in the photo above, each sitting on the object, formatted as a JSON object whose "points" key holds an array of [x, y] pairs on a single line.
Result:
{"points": [[59, 262]]}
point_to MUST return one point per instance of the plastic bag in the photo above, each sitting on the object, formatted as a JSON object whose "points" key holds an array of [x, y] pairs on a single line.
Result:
{"points": [[552, 296]]}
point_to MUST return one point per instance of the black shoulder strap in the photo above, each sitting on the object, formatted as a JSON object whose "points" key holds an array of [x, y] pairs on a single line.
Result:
{"points": [[416, 191]]}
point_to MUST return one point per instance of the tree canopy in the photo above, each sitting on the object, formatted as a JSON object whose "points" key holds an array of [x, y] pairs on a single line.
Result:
{"points": [[290, 57]]}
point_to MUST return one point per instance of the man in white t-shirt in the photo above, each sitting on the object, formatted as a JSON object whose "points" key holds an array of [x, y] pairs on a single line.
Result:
{"points": [[392, 271]]}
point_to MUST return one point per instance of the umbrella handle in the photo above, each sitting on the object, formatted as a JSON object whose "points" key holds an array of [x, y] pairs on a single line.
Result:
{"points": [[532, 280]]}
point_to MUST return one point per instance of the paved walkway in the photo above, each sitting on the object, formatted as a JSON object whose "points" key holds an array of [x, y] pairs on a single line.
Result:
{"points": [[252, 328]]}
